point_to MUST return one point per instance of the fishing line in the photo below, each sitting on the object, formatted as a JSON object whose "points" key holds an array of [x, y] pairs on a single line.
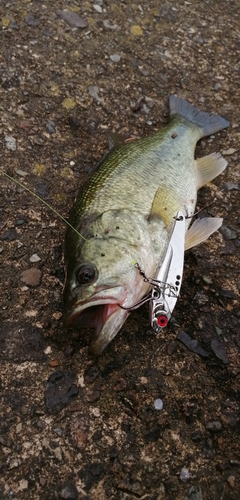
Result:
{"points": [[45, 203], [196, 213]]}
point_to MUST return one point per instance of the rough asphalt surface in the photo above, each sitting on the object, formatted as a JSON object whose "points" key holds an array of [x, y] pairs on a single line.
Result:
{"points": [[72, 427]]}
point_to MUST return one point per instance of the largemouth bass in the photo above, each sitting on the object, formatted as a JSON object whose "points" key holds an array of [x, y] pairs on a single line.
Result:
{"points": [[125, 213]]}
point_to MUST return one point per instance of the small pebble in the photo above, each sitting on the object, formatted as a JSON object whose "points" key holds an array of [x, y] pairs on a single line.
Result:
{"points": [[214, 426], [48, 350], [72, 19], [231, 481], [110, 26], [31, 277], [115, 57], [21, 173], [34, 258], [10, 142], [217, 86], [184, 474], [158, 404], [32, 21], [54, 362], [58, 431], [51, 127], [219, 351], [68, 491], [229, 151], [93, 91], [194, 493], [228, 233], [230, 186], [98, 8], [207, 280], [93, 396]]}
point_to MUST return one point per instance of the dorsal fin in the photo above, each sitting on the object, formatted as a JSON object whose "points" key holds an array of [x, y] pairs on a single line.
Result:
{"points": [[209, 167]]}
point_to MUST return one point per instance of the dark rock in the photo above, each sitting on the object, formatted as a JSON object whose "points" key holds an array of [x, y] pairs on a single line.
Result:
{"points": [[196, 436], [131, 486], [208, 451], [60, 391], [93, 396], [228, 233], [6, 441], [69, 351], [192, 344], [172, 347], [97, 436], [219, 351], [51, 127], [32, 21], [21, 342], [10, 235], [91, 474], [11, 83], [152, 435], [172, 486], [73, 123], [194, 493], [217, 86], [14, 399], [214, 426], [68, 491], [90, 374], [72, 19], [229, 294], [201, 298]]}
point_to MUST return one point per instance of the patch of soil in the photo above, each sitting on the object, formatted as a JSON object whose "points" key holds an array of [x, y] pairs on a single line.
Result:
{"points": [[99, 436]]}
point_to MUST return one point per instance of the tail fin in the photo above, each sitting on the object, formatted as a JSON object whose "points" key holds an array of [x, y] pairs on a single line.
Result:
{"points": [[208, 123]]}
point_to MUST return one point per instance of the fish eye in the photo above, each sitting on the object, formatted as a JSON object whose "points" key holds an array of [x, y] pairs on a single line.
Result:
{"points": [[86, 274]]}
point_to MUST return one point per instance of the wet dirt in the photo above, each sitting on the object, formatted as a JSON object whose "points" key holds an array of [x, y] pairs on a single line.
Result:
{"points": [[72, 427]]}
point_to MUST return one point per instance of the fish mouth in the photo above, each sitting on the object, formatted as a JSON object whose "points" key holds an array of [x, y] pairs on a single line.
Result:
{"points": [[103, 313]]}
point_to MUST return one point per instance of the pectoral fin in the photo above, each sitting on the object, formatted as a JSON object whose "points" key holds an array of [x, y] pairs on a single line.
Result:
{"points": [[164, 205], [201, 230], [209, 167]]}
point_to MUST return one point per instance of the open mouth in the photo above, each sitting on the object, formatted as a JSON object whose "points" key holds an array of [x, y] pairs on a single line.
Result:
{"points": [[104, 314], [92, 316]]}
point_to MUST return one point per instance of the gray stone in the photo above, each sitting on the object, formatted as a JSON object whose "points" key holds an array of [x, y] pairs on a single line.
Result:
{"points": [[93, 91], [10, 142], [219, 351], [115, 57], [228, 233], [68, 491], [194, 493], [72, 19]]}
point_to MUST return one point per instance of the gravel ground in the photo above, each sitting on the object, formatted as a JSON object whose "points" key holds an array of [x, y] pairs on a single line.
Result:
{"points": [[72, 427]]}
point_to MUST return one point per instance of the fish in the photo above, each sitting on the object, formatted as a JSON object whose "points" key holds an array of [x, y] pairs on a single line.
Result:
{"points": [[125, 213]]}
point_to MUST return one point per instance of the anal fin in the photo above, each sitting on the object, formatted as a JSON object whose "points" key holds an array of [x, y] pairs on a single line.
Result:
{"points": [[209, 167], [201, 230]]}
